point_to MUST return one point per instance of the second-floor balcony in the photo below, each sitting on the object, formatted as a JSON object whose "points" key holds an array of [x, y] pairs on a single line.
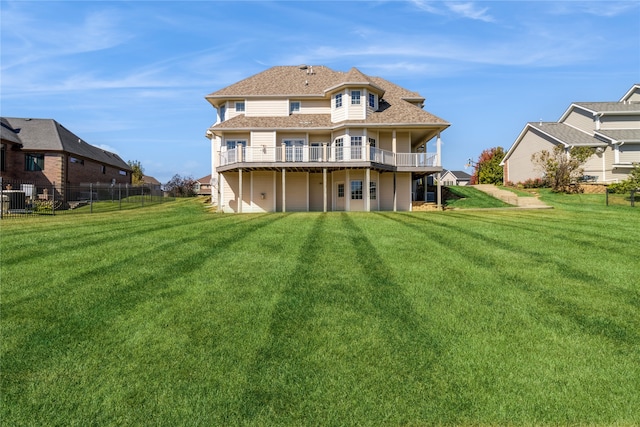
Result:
{"points": [[325, 155]]}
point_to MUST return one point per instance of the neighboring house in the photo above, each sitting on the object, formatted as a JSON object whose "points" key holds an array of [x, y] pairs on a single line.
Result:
{"points": [[455, 178], [153, 183], [308, 138], [203, 186], [611, 128], [43, 152]]}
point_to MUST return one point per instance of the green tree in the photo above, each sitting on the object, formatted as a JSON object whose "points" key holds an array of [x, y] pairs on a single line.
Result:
{"points": [[487, 169], [563, 168], [137, 173]]}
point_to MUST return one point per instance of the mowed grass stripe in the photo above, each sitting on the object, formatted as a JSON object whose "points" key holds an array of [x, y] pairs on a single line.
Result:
{"points": [[340, 318]]}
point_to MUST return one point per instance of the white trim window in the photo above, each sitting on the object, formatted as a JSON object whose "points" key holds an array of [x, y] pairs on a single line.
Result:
{"points": [[356, 189], [240, 106], [355, 97], [338, 100], [372, 190], [294, 107], [356, 147], [339, 149], [372, 100]]}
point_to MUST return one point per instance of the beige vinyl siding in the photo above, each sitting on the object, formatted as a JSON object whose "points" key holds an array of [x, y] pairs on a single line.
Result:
{"points": [[296, 191], [231, 109], [385, 141], [267, 107], [593, 166], [629, 153], [229, 187], [262, 182], [385, 191], [634, 96], [357, 111], [316, 192], [339, 114], [320, 138], [520, 167], [620, 122], [263, 138], [315, 107], [580, 119], [403, 187], [403, 142]]}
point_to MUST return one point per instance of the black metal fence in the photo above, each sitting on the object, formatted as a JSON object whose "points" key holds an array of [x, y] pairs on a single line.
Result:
{"points": [[627, 198], [24, 198]]}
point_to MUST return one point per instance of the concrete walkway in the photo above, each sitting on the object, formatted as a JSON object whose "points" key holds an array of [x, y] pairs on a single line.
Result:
{"points": [[511, 198]]}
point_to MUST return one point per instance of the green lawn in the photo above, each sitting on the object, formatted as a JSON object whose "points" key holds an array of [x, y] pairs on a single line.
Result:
{"points": [[465, 197], [172, 315]]}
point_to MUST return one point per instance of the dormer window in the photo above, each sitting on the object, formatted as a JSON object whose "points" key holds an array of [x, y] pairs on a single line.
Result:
{"points": [[338, 100], [372, 100], [240, 106], [355, 97], [294, 107]]}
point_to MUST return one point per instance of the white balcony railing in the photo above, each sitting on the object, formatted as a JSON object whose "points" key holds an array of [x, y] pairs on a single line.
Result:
{"points": [[325, 154]]}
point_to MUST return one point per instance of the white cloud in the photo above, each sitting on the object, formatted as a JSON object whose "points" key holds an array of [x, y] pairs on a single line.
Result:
{"points": [[108, 148], [468, 10]]}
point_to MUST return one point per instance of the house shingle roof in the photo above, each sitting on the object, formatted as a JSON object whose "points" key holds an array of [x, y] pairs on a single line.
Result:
{"points": [[567, 134], [49, 135], [8, 133], [609, 107], [290, 81], [622, 135]]}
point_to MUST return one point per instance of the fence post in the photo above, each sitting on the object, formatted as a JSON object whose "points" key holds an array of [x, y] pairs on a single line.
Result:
{"points": [[53, 198], [1, 198], [606, 197], [90, 198], [119, 196], [142, 194]]}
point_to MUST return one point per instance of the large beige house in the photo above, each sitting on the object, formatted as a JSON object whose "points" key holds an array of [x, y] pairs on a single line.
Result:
{"points": [[308, 138], [611, 128]]}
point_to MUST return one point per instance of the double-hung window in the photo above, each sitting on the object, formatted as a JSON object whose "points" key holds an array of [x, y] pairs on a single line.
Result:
{"points": [[356, 147], [240, 106], [372, 100], [339, 149], [338, 100], [356, 190], [372, 190], [355, 97], [294, 107], [33, 162]]}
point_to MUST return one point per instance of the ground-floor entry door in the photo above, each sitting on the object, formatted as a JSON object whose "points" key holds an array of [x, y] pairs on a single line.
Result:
{"points": [[340, 195]]}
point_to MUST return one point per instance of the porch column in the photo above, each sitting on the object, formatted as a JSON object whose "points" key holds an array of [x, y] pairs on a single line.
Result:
{"points": [[347, 195], [239, 210], [284, 191], [393, 142], [219, 193], [438, 143], [324, 189], [395, 199], [439, 192], [366, 191]]}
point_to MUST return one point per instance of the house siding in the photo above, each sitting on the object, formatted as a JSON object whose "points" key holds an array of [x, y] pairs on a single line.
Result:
{"points": [[262, 108], [315, 107], [520, 165], [619, 122], [580, 119]]}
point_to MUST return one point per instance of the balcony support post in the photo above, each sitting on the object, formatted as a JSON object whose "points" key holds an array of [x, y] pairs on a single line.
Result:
{"points": [[324, 189], [395, 199], [366, 190], [439, 191], [239, 209], [284, 190]]}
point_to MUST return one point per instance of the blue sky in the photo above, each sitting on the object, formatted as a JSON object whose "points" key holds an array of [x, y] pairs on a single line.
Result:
{"points": [[131, 76]]}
